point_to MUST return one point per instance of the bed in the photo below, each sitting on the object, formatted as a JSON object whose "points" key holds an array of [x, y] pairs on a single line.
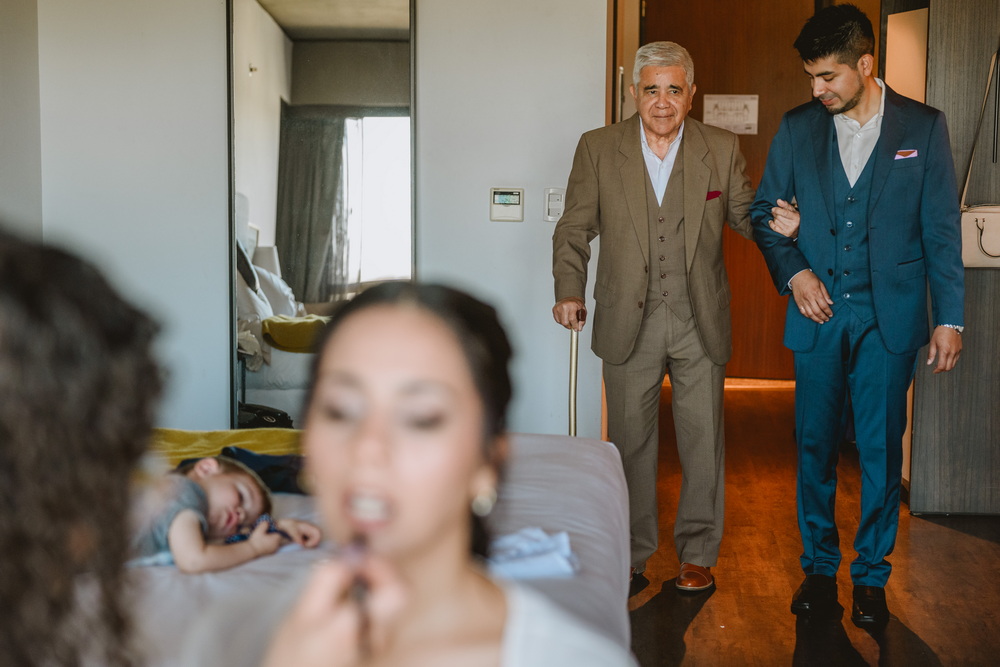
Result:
{"points": [[272, 374], [555, 483], [281, 383]]}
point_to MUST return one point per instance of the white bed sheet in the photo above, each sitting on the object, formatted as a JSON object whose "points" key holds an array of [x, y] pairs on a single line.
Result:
{"points": [[282, 383], [555, 483]]}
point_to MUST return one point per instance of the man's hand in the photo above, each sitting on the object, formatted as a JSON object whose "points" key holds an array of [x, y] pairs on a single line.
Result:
{"points": [[570, 312], [786, 219], [946, 346], [811, 296]]}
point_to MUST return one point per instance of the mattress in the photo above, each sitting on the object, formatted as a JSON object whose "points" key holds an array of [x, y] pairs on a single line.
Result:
{"points": [[577, 485], [555, 483], [282, 383]]}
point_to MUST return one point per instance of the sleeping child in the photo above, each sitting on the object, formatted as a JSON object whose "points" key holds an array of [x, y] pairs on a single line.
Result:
{"points": [[211, 514]]}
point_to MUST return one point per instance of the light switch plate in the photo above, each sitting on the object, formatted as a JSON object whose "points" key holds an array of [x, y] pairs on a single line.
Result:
{"points": [[555, 204]]}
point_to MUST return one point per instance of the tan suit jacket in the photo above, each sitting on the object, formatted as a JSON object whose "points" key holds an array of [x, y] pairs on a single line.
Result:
{"points": [[606, 196]]}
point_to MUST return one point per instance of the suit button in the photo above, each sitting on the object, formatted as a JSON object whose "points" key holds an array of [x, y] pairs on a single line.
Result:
{"points": [[833, 232], [660, 219], [847, 248], [847, 295], [847, 273], [849, 224], [662, 258], [663, 275], [663, 238], [640, 304], [666, 293], [829, 272], [851, 199]]}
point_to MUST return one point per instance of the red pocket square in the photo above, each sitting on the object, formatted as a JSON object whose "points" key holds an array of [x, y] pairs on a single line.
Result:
{"points": [[712, 194]]}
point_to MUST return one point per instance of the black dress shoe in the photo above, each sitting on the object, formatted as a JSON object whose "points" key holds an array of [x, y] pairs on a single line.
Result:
{"points": [[817, 594], [869, 611]]}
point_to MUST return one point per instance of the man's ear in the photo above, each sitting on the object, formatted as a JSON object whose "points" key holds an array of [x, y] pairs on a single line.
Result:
{"points": [[206, 467], [866, 64]]}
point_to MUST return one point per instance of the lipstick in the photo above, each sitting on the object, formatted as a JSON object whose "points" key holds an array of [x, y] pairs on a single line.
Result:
{"points": [[354, 554]]}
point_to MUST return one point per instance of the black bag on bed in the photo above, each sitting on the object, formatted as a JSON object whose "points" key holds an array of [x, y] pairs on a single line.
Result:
{"points": [[252, 415]]}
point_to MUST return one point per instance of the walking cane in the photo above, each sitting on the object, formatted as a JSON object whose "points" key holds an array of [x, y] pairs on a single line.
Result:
{"points": [[574, 353]]}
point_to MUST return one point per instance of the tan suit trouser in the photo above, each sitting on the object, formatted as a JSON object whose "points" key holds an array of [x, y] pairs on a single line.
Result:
{"points": [[633, 394]]}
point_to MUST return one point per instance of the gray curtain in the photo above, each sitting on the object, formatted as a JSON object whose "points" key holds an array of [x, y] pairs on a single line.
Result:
{"points": [[311, 227]]}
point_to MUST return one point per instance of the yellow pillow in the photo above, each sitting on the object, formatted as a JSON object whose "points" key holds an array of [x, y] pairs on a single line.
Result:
{"points": [[175, 445], [293, 334]]}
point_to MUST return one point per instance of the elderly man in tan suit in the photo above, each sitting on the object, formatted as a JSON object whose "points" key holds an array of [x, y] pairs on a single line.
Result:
{"points": [[658, 188]]}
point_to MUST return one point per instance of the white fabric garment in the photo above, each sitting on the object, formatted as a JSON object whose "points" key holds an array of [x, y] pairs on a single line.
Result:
{"points": [[236, 632], [531, 553], [856, 142], [659, 170]]}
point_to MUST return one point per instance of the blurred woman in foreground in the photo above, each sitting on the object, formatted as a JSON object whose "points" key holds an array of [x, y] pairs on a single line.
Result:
{"points": [[405, 439]]}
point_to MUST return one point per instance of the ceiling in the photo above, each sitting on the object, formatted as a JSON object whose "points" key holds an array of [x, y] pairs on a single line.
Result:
{"points": [[341, 19]]}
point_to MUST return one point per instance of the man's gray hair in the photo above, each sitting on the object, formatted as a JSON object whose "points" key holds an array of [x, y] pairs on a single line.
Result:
{"points": [[663, 54]]}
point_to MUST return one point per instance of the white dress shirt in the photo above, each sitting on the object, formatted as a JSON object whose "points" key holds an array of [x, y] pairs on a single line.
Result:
{"points": [[659, 170], [857, 141]]}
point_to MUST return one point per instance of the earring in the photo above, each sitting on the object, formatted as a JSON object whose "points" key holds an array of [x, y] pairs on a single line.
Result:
{"points": [[484, 501]]}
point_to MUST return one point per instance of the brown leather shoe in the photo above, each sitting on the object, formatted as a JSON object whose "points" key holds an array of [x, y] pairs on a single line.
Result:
{"points": [[695, 578]]}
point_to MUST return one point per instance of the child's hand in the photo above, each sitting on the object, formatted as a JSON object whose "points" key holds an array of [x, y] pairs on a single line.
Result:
{"points": [[301, 532], [262, 542]]}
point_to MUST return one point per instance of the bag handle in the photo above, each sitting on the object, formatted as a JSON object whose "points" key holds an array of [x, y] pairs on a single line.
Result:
{"points": [[979, 125]]}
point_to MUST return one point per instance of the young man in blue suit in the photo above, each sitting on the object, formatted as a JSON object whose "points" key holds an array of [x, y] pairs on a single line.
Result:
{"points": [[871, 174]]}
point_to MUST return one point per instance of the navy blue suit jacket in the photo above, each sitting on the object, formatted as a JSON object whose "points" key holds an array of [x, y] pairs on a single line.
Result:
{"points": [[914, 224]]}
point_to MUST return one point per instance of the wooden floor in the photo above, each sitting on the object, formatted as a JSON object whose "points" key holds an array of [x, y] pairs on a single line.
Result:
{"points": [[943, 594]]}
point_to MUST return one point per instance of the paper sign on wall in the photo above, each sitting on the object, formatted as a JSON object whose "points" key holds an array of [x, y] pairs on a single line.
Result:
{"points": [[736, 113]]}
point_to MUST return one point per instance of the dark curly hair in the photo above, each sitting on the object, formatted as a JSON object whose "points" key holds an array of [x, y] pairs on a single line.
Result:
{"points": [[484, 342], [78, 388]]}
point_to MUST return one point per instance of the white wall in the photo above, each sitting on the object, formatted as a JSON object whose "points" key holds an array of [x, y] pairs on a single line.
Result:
{"points": [[257, 96], [504, 90], [20, 136], [352, 73], [135, 173]]}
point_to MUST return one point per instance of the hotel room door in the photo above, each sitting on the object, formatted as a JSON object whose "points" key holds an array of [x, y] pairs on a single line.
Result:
{"points": [[740, 50]]}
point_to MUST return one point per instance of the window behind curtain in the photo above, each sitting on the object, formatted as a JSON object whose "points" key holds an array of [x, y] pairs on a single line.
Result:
{"points": [[377, 188]]}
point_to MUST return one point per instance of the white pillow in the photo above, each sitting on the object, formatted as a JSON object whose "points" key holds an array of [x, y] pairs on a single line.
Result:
{"points": [[250, 303], [278, 293]]}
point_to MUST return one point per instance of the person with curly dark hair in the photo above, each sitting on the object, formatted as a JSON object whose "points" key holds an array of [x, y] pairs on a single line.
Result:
{"points": [[78, 389]]}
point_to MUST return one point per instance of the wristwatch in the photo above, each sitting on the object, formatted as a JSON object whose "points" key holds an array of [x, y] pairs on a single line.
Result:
{"points": [[956, 327]]}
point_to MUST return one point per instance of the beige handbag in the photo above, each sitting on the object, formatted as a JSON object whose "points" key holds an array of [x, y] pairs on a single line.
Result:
{"points": [[981, 224]]}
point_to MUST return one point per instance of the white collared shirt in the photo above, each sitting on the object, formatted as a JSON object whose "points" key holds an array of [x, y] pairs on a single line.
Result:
{"points": [[857, 141], [659, 170]]}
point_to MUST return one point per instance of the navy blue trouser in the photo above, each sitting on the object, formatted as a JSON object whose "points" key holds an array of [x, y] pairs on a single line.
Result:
{"points": [[849, 355]]}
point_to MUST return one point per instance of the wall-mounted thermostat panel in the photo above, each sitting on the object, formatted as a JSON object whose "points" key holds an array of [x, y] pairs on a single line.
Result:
{"points": [[507, 204], [555, 204]]}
